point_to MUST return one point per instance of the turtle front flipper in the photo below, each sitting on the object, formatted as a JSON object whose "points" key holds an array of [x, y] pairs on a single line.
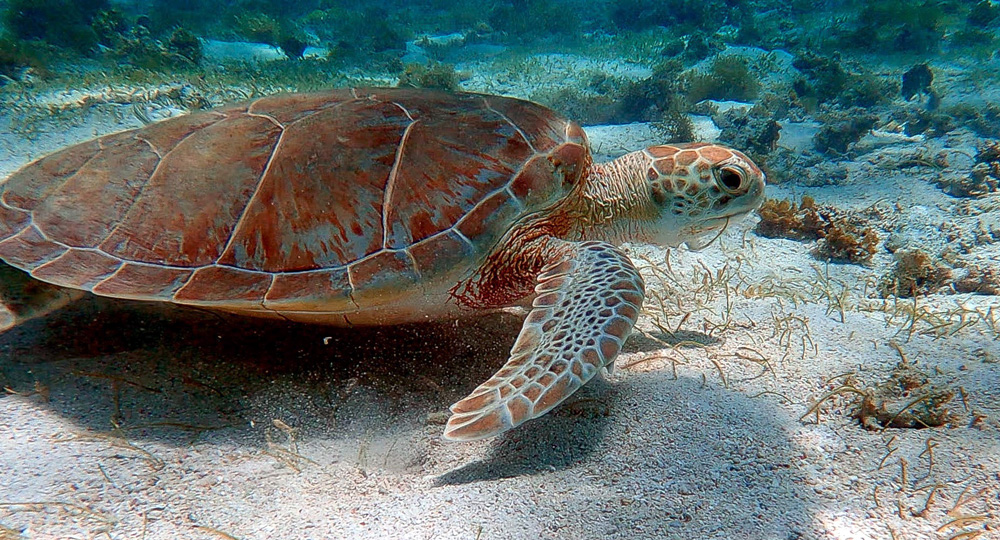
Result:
{"points": [[588, 300], [23, 298]]}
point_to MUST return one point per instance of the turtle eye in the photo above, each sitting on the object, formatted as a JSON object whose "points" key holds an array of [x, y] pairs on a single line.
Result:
{"points": [[730, 178]]}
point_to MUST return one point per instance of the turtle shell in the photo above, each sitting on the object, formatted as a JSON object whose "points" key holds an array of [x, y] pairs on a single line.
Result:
{"points": [[300, 202]]}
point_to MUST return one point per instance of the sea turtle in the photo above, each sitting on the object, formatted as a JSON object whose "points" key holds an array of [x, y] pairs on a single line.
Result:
{"points": [[374, 206]]}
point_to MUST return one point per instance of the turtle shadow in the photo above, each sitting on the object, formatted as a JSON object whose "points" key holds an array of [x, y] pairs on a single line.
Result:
{"points": [[173, 374], [558, 440], [675, 459], [668, 456]]}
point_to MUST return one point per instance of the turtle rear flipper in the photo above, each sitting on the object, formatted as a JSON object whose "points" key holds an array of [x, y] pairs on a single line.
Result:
{"points": [[588, 300], [23, 298]]}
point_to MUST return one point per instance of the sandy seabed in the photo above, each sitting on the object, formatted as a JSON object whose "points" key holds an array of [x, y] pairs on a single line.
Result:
{"points": [[730, 414]]}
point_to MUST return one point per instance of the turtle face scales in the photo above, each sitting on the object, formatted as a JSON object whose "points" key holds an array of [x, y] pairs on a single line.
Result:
{"points": [[699, 189]]}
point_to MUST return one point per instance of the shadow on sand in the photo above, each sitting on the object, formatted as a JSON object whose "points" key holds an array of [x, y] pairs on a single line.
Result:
{"points": [[566, 436], [162, 372], [648, 456]]}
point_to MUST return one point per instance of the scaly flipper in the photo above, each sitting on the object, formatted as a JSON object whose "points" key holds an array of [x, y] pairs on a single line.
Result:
{"points": [[588, 300], [23, 298]]}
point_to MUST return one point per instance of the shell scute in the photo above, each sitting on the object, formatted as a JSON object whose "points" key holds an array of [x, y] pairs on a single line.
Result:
{"points": [[77, 268], [29, 249], [575, 134], [375, 279], [309, 291], [320, 202], [28, 186], [187, 210], [485, 224], [164, 136], [532, 178], [12, 221], [440, 253], [570, 160], [224, 286], [447, 164], [143, 281], [108, 183], [542, 128], [289, 108]]}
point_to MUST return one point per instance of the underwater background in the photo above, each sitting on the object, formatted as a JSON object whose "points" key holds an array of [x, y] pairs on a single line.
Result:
{"points": [[828, 370]]}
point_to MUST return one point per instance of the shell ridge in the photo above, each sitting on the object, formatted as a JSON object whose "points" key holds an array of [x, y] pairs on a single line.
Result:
{"points": [[416, 267], [512, 124], [486, 197], [31, 227], [66, 255], [264, 298], [521, 207], [237, 228], [41, 233], [439, 234], [462, 237], [110, 277], [152, 147], [389, 190], [9, 206], [268, 117], [126, 262], [331, 107], [70, 250], [404, 109], [353, 287], [185, 283]]}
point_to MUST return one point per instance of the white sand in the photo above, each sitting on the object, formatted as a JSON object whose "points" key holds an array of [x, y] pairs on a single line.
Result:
{"points": [[234, 428]]}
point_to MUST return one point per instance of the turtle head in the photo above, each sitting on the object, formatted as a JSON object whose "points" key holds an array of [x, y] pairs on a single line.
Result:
{"points": [[697, 190]]}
